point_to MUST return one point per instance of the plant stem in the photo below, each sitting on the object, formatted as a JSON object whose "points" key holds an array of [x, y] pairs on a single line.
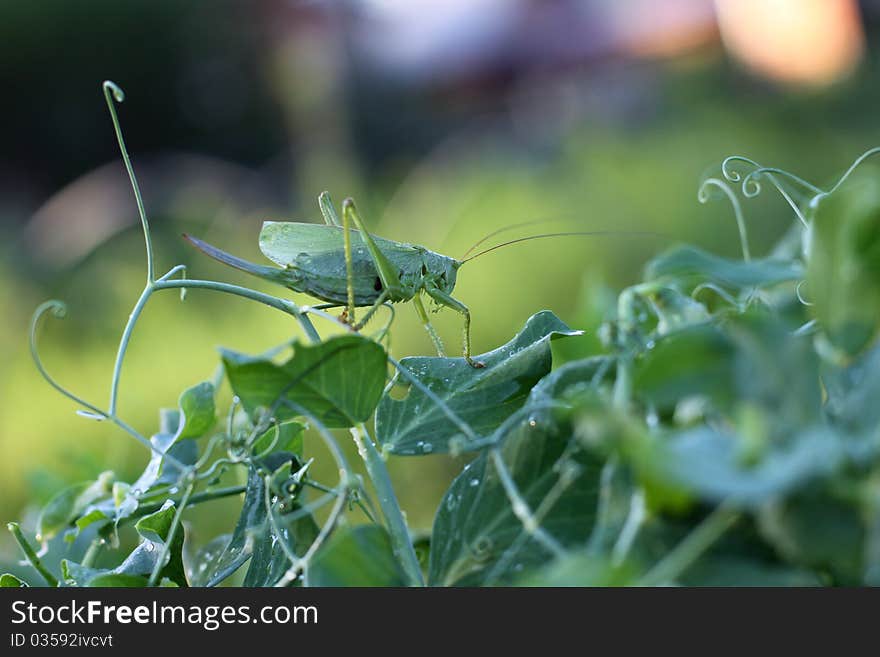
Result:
{"points": [[123, 345], [283, 305], [30, 554], [691, 548], [92, 553], [400, 538], [198, 498]]}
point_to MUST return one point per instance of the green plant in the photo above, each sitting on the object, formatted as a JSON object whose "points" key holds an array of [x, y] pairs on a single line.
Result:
{"points": [[723, 434]]}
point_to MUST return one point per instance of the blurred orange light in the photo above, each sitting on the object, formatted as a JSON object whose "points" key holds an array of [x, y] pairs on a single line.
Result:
{"points": [[804, 42]]}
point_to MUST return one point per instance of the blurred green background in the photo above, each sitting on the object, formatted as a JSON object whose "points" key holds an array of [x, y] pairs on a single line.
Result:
{"points": [[445, 119]]}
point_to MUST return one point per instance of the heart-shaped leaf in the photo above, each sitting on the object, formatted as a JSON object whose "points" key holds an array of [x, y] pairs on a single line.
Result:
{"points": [[339, 381], [480, 398]]}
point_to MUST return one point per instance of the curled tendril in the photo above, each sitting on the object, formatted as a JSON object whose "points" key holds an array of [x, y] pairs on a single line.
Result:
{"points": [[703, 196], [733, 175], [59, 311], [111, 87], [751, 187], [769, 171], [800, 296], [112, 92]]}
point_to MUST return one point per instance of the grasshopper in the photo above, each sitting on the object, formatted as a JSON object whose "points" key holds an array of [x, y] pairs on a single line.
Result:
{"points": [[319, 260]]}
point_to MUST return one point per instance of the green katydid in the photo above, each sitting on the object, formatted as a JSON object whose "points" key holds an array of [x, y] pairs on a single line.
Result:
{"points": [[319, 260]]}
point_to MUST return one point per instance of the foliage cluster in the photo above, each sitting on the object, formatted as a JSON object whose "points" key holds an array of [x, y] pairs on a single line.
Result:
{"points": [[723, 434]]}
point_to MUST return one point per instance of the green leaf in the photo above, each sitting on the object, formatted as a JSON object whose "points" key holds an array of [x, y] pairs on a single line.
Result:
{"points": [[690, 266], [253, 538], [10, 581], [843, 271], [675, 310], [357, 556], [815, 530], [285, 437], [118, 580], [483, 398], [339, 381], [749, 359], [66, 506], [478, 540], [75, 574], [694, 361], [154, 530], [852, 393], [137, 567], [710, 464], [159, 471], [197, 411], [155, 527]]}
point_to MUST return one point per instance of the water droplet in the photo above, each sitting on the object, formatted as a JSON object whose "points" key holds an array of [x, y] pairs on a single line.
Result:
{"points": [[149, 547], [650, 344], [474, 482], [173, 490], [427, 448]]}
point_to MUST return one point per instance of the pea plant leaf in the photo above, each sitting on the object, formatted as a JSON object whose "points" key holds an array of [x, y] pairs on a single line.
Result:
{"points": [[693, 361], [135, 570], [482, 399], [843, 272], [690, 266], [714, 466], [478, 539], [819, 530], [851, 392], [357, 556], [197, 411], [67, 505], [10, 581], [254, 538], [338, 381]]}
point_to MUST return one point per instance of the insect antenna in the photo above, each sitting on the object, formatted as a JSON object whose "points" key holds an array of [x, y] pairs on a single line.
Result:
{"points": [[563, 234], [504, 230]]}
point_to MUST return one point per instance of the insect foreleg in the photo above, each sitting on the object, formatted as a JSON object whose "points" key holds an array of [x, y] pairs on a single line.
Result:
{"points": [[426, 322], [450, 302]]}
